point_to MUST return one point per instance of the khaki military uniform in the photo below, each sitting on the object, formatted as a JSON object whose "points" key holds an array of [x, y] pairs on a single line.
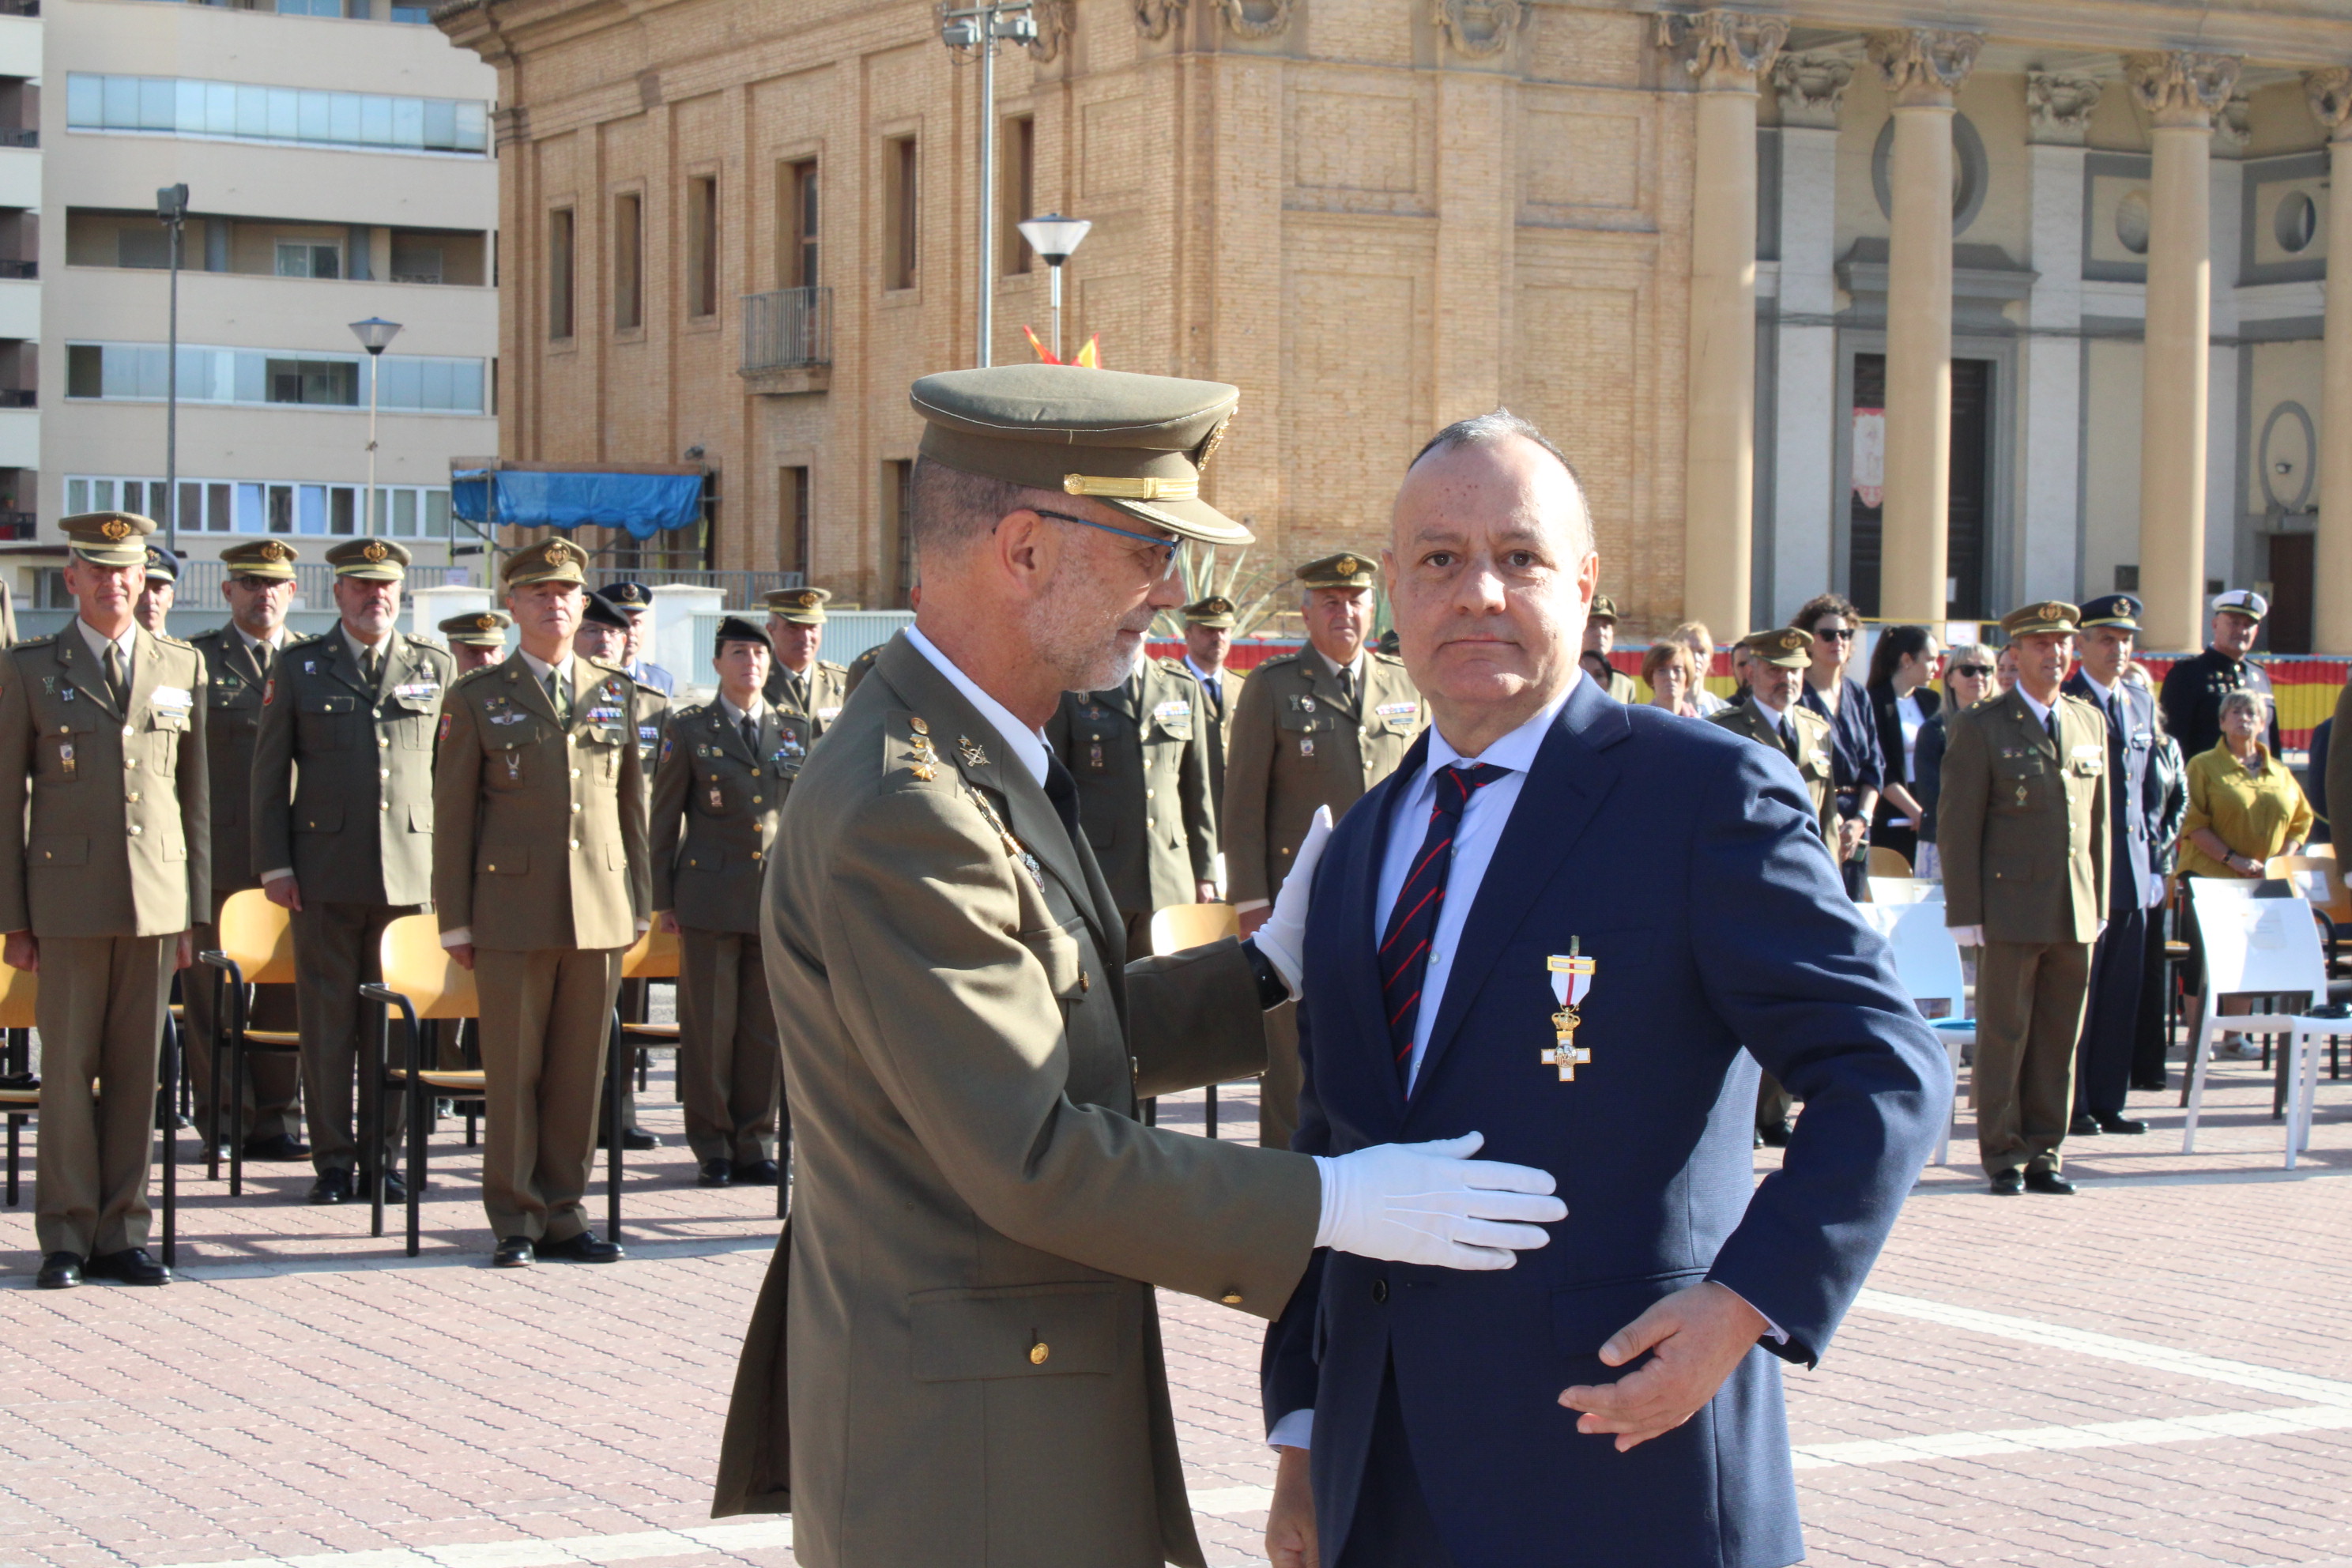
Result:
{"points": [[342, 795], [817, 696], [1297, 744], [859, 668], [112, 863], [714, 821], [1140, 754], [956, 1355], [2021, 832], [651, 725], [1218, 702], [235, 676], [541, 859]]}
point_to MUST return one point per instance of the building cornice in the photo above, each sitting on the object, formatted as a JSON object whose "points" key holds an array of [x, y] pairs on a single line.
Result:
{"points": [[2289, 31]]}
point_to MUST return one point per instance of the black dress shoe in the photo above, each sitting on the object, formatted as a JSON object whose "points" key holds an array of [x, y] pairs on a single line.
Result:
{"points": [[1760, 1142], [181, 1123], [2008, 1184], [716, 1174], [60, 1271], [132, 1266], [334, 1187], [585, 1248], [514, 1252], [2050, 1181], [1776, 1134], [631, 1138], [282, 1146], [2155, 1085], [758, 1173], [2111, 1122], [2084, 1125]]}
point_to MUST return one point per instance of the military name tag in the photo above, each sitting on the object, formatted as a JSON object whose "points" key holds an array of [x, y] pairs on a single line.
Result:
{"points": [[174, 699], [828, 715], [1408, 713], [603, 715], [1177, 708], [417, 691]]}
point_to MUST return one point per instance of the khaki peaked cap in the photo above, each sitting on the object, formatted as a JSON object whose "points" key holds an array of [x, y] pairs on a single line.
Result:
{"points": [[2044, 615], [1783, 647], [265, 558], [370, 560], [553, 560], [109, 538], [1136, 443], [479, 628], [1347, 569], [1216, 610], [799, 606]]}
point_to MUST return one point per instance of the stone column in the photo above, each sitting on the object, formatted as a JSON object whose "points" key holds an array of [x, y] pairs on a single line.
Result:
{"points": [[1922, 67], [2330, 93], [2181, 92], [1724, 52], [1804, 393], [2049, 358]]}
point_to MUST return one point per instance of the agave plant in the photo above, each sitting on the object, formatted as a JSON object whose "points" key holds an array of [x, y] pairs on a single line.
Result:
{"points": [[1254, 591]]}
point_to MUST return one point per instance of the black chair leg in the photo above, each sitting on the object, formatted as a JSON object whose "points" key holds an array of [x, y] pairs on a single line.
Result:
{"points": [[419, 1103], [16, 1123], [212, 1077], [173, 1073], [1211, 1110], [371, 1076], [615, 1079]]}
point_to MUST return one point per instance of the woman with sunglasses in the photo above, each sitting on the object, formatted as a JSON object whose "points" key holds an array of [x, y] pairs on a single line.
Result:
{"points": [[1969, 680], [1860, 766]]}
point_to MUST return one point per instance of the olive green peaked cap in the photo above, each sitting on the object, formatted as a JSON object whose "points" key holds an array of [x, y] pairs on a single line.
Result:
{"points": [[109, 538], [1136, 443]]}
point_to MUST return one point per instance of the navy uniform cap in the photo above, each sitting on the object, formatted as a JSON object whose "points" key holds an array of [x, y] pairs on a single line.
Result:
{"points": [[2110, 610]]}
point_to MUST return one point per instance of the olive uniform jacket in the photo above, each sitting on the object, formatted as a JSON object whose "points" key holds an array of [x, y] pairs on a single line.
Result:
{"points": [[816, 697], [342, 770], [234, 681], [2021, 825], [1220, 711], [1298, 744], [1140, 753], [542, 824], [1811, 752], [955, 1362], [652, 723], [118, 842], [714, 813]]}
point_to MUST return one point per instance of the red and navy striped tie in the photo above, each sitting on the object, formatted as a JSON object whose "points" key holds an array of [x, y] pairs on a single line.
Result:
{"points": [[1404, 946]]}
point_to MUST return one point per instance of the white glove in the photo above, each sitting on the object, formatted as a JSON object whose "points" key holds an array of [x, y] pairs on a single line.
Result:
{"points": [[2155, 891], [1283, 937], [1431, 1203], [1968, 936]]}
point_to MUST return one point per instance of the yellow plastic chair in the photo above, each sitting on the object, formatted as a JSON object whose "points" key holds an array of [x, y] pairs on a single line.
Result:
{"points": [[426, 985], [256, 948], [1182, 926], [654, 956], [1885, 862]]}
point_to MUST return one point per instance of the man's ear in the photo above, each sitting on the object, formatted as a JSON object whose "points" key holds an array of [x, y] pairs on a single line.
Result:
{"points": [[1027, 548]]}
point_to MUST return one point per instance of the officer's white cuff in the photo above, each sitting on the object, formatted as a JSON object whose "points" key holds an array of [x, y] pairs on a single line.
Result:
{"points": [[1246, 905], [1295, 1430], [281, 872], [462, 937]]}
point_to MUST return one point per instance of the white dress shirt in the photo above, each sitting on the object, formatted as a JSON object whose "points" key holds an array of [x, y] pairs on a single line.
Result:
{"points": [[1026, 744], [1215, 683], [97, 640]]}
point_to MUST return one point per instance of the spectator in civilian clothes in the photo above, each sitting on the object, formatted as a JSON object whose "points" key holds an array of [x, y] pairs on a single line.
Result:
{"points": [[1967, 681], [1671, 673], [1902, 698], [2166, 802], [1695, 636], [2245, 808], [1853, 731]]}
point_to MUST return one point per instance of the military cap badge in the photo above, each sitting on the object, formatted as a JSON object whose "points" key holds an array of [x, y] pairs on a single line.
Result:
{"points": [[271, 550], [1347, 566], [115, 530], [373, 551]]}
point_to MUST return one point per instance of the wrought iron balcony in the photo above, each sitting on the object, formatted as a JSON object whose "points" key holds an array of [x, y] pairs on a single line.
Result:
{"points": [[788, 340]]}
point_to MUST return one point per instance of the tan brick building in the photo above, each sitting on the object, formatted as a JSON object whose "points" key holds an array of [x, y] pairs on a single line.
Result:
{"points": [[1376, 215]]}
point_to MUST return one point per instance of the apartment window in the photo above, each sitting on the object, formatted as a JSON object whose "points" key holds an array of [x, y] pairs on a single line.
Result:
{"points": [[264, 506], [702, 246], [796, 225], [335, 382], [300, 258], [559, 273], [628, 262], [898, 531], [899, 168], [147, 246], [793, 492], [243, 111], [409, 384], [1017, 189]]}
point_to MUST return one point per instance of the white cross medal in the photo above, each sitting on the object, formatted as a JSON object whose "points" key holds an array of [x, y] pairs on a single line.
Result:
{"points": [[1571, 977]]}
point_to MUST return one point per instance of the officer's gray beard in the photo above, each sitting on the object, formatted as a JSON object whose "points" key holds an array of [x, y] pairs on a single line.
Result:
{"points": [[1077, 637]]}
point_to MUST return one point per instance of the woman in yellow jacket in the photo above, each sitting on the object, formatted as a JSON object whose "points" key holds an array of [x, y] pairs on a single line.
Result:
{"points": [[2244, 806]]}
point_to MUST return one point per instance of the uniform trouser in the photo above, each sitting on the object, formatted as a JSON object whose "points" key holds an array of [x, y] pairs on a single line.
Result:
{"points": [[1277, 1091], [2030, 997], [729, 1063], [1138, 933], [545, 1014], [2152, 1029], [100, 1013], [336, 947], [2103, 1065], [273, 1079]]}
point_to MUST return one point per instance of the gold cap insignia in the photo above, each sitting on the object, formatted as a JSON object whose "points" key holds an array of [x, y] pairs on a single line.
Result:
{"points": [[2053, 612], [1209, 447], [915, 722], [805, 601], [373, 551], [273, 551], [1347, 566], [115, 530], [562, 553], [1792, 640], [486, 623]]}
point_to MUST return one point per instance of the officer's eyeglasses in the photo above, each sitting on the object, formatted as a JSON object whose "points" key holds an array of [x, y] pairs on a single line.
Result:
{"points": [[1171, 551]]}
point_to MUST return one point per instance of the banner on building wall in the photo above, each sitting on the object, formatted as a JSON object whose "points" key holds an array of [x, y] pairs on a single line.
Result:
{"points": [[1869, 456], [643, 504]]}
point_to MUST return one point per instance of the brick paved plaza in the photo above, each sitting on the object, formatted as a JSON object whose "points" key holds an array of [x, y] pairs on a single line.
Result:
{"points": [[2158, 1372]]}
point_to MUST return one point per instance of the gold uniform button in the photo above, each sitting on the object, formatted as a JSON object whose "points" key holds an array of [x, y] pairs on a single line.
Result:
{"points": [[755, 800], [1147, 793], [132, 797], [384, 805], [134, 830], [129, 761], [575, 772], [126, 732], [757, 856], [379, 712], [575, 844], [575, 805], [1086, 982], [1038, 1353], [383, 744], [383, 772], [1230, 1297]]}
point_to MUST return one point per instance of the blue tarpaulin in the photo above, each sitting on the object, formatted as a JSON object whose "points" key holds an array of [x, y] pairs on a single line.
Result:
{"points": [[644, 504]]}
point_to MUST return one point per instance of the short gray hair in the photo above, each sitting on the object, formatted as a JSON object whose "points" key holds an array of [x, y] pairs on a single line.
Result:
{"points": [[953, 508], [2253, 702], [1501, 425]]}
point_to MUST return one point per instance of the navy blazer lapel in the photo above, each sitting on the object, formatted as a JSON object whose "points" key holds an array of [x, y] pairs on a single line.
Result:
{"points": [[1569, 780], [1357, 889]]}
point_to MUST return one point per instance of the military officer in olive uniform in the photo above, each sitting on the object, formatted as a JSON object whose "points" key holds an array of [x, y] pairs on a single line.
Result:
{"points": [[476, 638], [1773, 717], [2021, 830], [858, 669], [1208, 638], [799, 681], [159, 591], [238, 657], [102, 735], [541, 882], [343, 833], [604, 634], [1316, 727], [725, 770], [1599, 636]]}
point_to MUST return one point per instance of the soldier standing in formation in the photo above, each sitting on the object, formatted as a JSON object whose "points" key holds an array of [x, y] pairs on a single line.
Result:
{"points": [[798, 681], [1140, 754], [1599, 636], [725, 770], [238, 659], [1772, 716], [477, 638], [2021, 830], [1316, 727], [160, 590], [2193, 689], [342, 833], [1208, 638], [103, 763], [604, 634], [635, 600], [540, 881]]}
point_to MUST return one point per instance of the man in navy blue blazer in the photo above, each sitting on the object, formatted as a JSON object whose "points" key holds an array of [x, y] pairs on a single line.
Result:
{"points": [[1557, 923]]}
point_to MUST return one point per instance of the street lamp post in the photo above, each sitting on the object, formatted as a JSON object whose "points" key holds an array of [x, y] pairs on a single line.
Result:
{"points": [[375, 334], [1054, 238], [171, 210], [981, 28]]}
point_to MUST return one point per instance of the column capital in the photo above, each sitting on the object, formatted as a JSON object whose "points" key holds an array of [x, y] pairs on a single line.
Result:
{"points": [[2181, 88], [2060, 104], [1723, 51], [1810, 88], [2329, 93], [1923, 67]]}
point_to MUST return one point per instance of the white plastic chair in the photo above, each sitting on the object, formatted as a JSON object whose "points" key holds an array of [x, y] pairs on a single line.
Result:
{"points": [[1928, 963], [1905, 890], [2259, 947]]}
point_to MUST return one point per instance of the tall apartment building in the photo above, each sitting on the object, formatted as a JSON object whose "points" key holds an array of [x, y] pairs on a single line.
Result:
{"points": [[337, 159]]}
